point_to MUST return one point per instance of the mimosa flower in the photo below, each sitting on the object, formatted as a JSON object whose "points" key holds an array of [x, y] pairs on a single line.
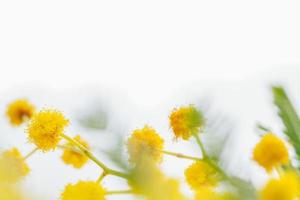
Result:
{"points": [[71, 156], [12, 166], [200, 174], [270, 152], [19, 111], [286, 187], [145, 142], [186, 121], [83, 190], [45, 129]]}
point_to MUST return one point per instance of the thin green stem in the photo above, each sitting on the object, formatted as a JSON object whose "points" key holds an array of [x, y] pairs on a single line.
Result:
{"points": [[179, 155], [119, 192], [86, 152], [204, 154], [101, 177], [30, 153]]}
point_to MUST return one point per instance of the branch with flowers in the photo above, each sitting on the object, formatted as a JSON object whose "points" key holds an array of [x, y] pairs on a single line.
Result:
{"points": [[145, 147]]}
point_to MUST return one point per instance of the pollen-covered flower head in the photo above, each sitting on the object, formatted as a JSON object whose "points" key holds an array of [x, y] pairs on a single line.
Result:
{"points": [[200, 174], [71, 155], [270, 152], [186, 121], [19, 110], [12, 166], [287, 187], [45, 129], [145, 142], [83, 190]]}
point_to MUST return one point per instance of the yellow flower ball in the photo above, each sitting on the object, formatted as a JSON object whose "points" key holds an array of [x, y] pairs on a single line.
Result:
{"points": [[71, 155], [286, 187], [200, 174], [186, 121], [19, 111], [145, 142], [12, 166], [270, 152], [83, 190], [45, 129]]}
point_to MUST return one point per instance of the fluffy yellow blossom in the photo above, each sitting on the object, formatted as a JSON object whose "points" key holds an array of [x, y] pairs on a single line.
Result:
{"points": [[83, 190], [12, 166], [286, 187], [186, 121], [71, 156], [19, 111], [270, 152], [45, 129], [200, 174], [145, 142]]}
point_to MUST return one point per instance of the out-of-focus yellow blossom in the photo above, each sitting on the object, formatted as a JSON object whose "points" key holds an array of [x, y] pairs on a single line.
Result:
{"points": [[148, 180], [83, 190], [208, 193], [10, 192], [12, 166], [45, 129], [145, 142], [287, 187], [71, 156], [200, 174], [186, 121], [19, 111], [270, 152]]}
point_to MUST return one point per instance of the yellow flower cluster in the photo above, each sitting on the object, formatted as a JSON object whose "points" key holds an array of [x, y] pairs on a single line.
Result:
{"points": [[12, 166], [270, 152], [145, 148], [83, 190], [72, 156], [19, 111], [45, 129], [201, 175], [186, 121], [143, 143], [287, 187]]}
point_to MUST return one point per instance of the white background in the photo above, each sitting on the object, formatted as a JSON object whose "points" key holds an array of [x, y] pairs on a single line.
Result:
{"points": [[156, 54]]}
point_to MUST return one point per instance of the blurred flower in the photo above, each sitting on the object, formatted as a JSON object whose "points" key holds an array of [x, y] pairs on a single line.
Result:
{"points": [[12, 166], [270, 152], [186, 121], [83, 190], [10, 192], [211, 194], [148, 180], [45, 129], [201, 174], [287, 187], [19, 110], [71, 156], [145, 142]]}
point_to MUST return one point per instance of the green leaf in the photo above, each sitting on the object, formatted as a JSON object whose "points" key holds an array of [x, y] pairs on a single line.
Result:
{"points": [[244, 188], [289, 117]]}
